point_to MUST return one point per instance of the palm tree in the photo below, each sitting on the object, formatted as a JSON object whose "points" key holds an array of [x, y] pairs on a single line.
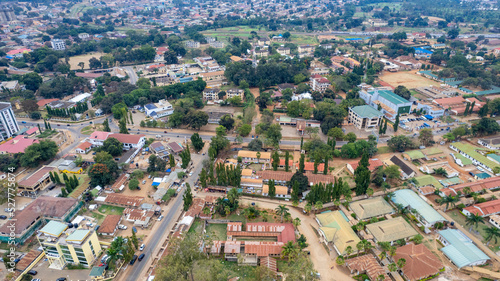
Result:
{"points": [[367, 245], [492, 233], [448, 200], [296, 222], [466, 190], [360, 246], [392, 251], [264, 215], [340, 260], [390, 195], [290, 250], [258, 157], [369, 192], [392, 267], [401, 263], [473, 220], [382, 255], [281, 210], [308, 208], [318, 205], [348, 250]]}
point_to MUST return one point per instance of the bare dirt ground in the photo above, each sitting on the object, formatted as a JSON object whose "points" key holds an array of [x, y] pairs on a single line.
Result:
{"points": [[73, 61], [408, 79]]}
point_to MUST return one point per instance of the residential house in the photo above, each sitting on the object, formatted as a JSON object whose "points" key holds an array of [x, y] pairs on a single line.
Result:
{"points": [[192, 44], [477, 187], [234, 92], [373, 164], [336, 232], [211, 94], [280, 191], [10, 86], [391, 230], [254, 157], [406, 171], [364, 117], [460, 249], [367, 264], [420, 264], [68, 246], [264, 53], [483, 209], [319, 83], [83, 148], [121, 200], [425, 214], [477, 155], [371, 208], [110, 225], [160, 109], [283, 51], [175, 147]]}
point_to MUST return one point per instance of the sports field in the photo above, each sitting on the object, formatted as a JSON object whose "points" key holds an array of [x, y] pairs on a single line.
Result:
{"points": [[74, 61], [408, 79]]}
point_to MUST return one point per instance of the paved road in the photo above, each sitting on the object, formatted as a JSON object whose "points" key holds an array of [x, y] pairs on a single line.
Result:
{"points": [[137, 272], [131, 74]]}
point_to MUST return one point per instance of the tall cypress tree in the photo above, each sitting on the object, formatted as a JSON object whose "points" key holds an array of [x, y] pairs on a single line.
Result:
{"points": [[325, 170], [272, 189], [396, 123], [362, 175], [301, 163], [287, 158]]}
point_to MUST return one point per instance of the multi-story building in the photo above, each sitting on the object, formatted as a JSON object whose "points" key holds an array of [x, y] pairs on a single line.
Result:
{"points": [[38, 181], [58, 44], [217, 44], [211, 94], [390, 103], [261, 53], [319, 83], [8, 122], [63, 245], [364, 117], [160, 109], [192, 44], [283, 51], [305, 49], [234, 92]]}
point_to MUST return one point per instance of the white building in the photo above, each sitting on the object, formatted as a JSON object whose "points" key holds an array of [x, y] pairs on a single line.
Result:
{"points": [[8, 122], [302, 96], [320, 84], [81, 97], [58, 44], [192, 44], [160, 109], [97, 138]]}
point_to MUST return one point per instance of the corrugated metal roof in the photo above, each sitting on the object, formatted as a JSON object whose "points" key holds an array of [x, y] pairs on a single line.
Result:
{"points": [[461, 251], [407, 197]]}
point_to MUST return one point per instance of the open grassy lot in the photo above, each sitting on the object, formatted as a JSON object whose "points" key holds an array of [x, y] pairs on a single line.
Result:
{"points": [[219, 231], [408, 79], [91, 128], [111, 210], [74, 61]]}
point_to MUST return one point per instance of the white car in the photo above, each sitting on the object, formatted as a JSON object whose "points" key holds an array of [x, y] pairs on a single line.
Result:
{"points": [[160, 218], [191, 174], [142, 247], [121, 226]]}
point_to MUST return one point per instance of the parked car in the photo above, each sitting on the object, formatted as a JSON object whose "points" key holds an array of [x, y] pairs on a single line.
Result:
{"points": [[132, 261], [24, 122], [142, 247], [141, 256], [121, 226], [33, 272], [160, 218], [104, 258], [61, 279], [144, 182], [3, 217]]}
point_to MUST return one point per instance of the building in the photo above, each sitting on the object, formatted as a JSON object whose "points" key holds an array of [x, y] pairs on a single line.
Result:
{"points": [[66, 166], [320, 84], [367, 264], [8, 122], [406, 171], [411, 200], [460, 249], [490, 142], [175, 147], [477, 158], [44, 208], [10, 86], [160, 109], [281, 191], [431, 109], [371, 208], [391, 230], [483, 209], [234, 92], [264, 53], [211, 94], [18, 53], [123, 200], [83, 148], [373, 164], [390, 103], [217, 44], [420, 262], [16, 145], [364, 117], [283, 51], [110, 225], [254, 157], [64, 246], [192, 44], [33, 184], [97, 138], [336, 232], [282, 178], [478, 187], [58, 44], [305, 49]]}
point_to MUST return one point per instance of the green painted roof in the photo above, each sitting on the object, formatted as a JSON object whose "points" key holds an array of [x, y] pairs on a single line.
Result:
{"points": [[428, 180], [465, 160], [472, 152], [54, 228], [451, 181], [415, 154], [366, 111], [390, 96], [432, 151], [78, 235]]}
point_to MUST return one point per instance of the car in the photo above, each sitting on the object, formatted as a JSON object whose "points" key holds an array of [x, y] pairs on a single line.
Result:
{"points": [[160, 218], [165, 132], [67, 125], [36, 279], [61, 279], [2, 217], [190, 174], [121, 226], [133, 111], [58, 124], [141, 256], [128, 129], [149, 176], [144, 182], [147, 131], [33, 272], [24, 122], [142, 247], [90, 122], [132, 261], [105, 257]]}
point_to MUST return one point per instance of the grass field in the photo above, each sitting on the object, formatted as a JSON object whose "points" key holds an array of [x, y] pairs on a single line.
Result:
{"points": [[408, 79], [196, 227], [74, 61], [111, 210], [219, 231], [90, 129]]}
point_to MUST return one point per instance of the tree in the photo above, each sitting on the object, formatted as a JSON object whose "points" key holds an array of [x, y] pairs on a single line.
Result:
{"points": [[403, 92], [453, 33], [29, 106], [396, 123], [255, 145], [492, 233], [417, 239], [336, 133], [187, 198], [448, 200], [302, 163], [362, 175], [38, 153], [244, 130], [296, 222], [282, 210], [276, 160], [473, 220], [32, 81], [106, 125], [122, 124], [426, 137], [350, 137], [133, 184], [392, 267], [227, 121], [273, 135], [272, 189], [485, 126], [197, 142], [197, 119], [100, 175], [401, 263], [111, 145], [318, 205], [185, 157], [400, 143], [287, 157], [441, 171]]}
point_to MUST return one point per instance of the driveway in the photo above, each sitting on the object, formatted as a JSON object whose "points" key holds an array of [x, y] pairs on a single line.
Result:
{"points": [[46, 273]]}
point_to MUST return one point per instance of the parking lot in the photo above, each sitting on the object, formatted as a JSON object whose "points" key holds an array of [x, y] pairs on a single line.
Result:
{"points": [[414, 123], [44, 272]]}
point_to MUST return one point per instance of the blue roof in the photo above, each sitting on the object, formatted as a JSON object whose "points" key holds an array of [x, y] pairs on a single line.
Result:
{"points": [[430, 117], [483, 175], [461, 251], [150, 106], [407, 197], [422, 51]]}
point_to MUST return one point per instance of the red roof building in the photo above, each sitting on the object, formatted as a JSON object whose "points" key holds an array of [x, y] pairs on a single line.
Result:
{"points": [[483, 209], [373, 164], [16, 145], [420, 261], [488, 184], [42, 103]]}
